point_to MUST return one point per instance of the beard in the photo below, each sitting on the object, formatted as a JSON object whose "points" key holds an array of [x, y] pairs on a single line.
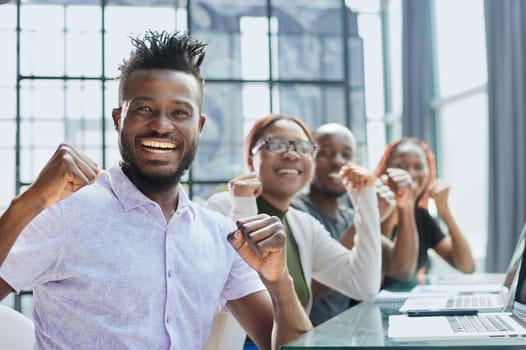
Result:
{"points": [[154, 182], [334, 193]]}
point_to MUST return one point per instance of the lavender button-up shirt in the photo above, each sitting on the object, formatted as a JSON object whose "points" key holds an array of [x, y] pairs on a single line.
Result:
{"points": [[108, 271]]}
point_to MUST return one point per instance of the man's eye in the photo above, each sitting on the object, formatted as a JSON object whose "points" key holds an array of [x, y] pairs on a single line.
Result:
{"points": [[326, 153], [144, 109], [347, 156], [182, 113]]}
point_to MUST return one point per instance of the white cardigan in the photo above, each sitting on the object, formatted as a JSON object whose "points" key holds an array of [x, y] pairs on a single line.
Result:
{"points": [[355, 272]]}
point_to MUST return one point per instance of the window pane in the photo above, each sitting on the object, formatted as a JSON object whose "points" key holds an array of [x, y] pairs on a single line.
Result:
{"points": [[40, 134], [125, 18], [41, 18], [394, 63], [8, 66], [254, 48], [376, 145], [83, 18], [356, 64], [371, 6], [7, 136], [8, 110], [117, 47], [255, 101], [42, 99], [8, 16], [7, 189], [358, 122], [309, 39], [83, 53], [42, 52], [83, 100], [314, 104], [461, 48], [221, 145], [236, 36], [120, 27], [468, 194], [83, 133], [370, 31]]}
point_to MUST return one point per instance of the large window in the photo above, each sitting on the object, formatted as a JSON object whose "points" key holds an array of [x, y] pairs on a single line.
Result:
{"points": [[460, 104], [297, 57], [327, 60], [462, 116]]}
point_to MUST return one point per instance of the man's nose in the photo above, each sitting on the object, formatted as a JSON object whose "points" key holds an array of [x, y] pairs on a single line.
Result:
{"points": [[161, 122], [339, 159]]}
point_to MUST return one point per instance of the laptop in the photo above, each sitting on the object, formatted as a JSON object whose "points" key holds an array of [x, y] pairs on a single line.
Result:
{"points": [[481, 326], [483, 302]]}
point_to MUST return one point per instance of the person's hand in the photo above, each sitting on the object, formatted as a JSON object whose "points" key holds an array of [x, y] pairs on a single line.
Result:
{"points": [[355, 177], [260, 241], [440, 194], [386, 199], [66, 172], [247, 185], [401, 183]]}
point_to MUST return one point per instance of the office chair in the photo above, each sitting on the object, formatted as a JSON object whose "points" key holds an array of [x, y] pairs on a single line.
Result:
{"points": [[16, 330]]}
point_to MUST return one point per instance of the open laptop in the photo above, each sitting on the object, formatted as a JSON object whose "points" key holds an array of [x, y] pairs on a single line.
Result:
{"points": [[484, 302], [481, 326]]}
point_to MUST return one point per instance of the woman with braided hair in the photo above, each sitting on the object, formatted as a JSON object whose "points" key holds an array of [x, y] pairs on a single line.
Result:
{"points": [[411, 155]]}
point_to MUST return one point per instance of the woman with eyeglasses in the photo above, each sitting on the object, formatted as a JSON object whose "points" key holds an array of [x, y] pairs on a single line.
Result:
{"points": [[279, 152]]}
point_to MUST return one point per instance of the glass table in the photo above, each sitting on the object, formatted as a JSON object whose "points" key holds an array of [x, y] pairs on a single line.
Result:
{"points": [[365, 326]]}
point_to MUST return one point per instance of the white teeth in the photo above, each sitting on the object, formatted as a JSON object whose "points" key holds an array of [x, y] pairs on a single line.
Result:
{"points": [[288, 171], [334, 176], [158, 145]]}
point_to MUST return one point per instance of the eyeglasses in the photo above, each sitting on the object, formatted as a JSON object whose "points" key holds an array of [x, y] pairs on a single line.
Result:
{"points": [[278, 144]]}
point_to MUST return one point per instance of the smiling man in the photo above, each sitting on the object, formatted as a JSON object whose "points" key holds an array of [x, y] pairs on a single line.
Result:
{"points": [[122, 259], [337, 148]]}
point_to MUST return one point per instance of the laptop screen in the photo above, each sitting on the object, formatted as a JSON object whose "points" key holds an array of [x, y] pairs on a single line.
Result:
{"points": [[515, 260], [520, 292]]}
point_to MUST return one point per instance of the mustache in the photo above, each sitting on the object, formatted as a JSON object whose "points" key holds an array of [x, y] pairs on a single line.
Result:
{"points": [[156, 135]]}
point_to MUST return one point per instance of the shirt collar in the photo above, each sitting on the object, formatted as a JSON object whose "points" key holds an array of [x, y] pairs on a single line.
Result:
{"points": [[131, 197]]}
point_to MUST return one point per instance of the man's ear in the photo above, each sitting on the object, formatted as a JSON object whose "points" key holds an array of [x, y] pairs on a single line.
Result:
{"points": [[202, 120], [116, 115]]}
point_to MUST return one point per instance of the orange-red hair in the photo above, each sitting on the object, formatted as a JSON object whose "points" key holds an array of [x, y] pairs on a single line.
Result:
{"points": [[386, 158], [261, 125]]}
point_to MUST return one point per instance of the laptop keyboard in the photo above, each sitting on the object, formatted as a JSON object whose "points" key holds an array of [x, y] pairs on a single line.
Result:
{"points": [[479, 323], [469, 301]]}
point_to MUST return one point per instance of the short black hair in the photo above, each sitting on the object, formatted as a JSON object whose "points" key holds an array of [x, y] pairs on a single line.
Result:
{"points": [[162, 50]]}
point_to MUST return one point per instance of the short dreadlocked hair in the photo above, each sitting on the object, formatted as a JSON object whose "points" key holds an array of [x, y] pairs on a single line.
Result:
{"points": [[162, 50]]}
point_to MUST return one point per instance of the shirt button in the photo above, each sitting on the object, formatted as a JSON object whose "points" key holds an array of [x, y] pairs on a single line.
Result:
{"points": [[168, 319], [170, 274]]}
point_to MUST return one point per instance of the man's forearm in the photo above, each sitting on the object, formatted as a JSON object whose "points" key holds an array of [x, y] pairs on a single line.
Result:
{"points": [[290, 319]]}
